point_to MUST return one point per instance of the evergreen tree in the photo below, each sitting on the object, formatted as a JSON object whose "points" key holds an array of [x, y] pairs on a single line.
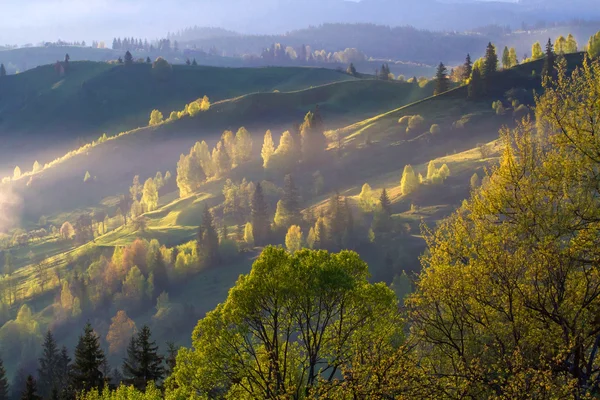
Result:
{"points": [[48, 366], [188, 62], [171, 359], [2, 70], [194, 63], [148, 60], [259, 216], [30, 392], [549, 61], [89, 358], [63, 372], [506, 58], [3, 382], [290, 205], [476, 84], [336, 221], [441, 79], [468, 68], [490, 65], [208, 239], [143, 363], [384, 203], [312, 132], [128, 58]]}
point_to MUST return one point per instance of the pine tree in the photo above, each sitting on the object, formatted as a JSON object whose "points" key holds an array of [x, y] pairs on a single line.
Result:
{"points": [[48, 366], [30, 392], [441, 79], [490, 65], [312, 132], [3, 382], [384, 203], [2, 70], [148, 60], [468, 68], [476, 84], [259, 217], [143, 363], [194, 63], [351, 70], [89, 358], [290, 204], [63, 372], [128, 58], [208, 239], [549, 61]]}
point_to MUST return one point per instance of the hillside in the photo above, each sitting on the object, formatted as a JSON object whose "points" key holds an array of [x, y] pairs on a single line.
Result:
{"points": [[98, 97]]}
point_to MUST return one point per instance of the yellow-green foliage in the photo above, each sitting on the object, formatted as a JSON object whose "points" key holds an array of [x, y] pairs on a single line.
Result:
{"points": [[156, 118], [124, 392], [403, 121], [366, 200], [414, 123], [593, 47], [249, 234], [435, 129], [293, 239], [536, 51], [409, 182]]}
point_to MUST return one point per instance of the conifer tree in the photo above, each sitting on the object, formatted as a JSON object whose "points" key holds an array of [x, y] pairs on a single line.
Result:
{"points": [[336, 221], [384, 203], [48, 366], [148, 60], [441, 79], [208, 239], [320, 234], [259, 217], [365, 198], [351, 70], [468, 68], [490, 65], [89, 358], [313, 136], [431, 169], [4, 392], [143, 363], [409, 182], [30, 392], [2, 70], [549, 61], [268, 148], [194, 63], [128, 58], [290, 205]]}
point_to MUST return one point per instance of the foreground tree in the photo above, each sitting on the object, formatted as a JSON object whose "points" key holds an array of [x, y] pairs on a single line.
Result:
{"points": [[30, 392], [48, 366], [4, 393], [143, 363], [507, 304], [297, 326], [89, 359], [441, 79]]}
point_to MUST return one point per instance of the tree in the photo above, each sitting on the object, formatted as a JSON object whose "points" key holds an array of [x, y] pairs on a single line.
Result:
{"points": [[293, 239], [243, 146], [303, 297], [121, 328], [89, 358], [441, 79], [476, 84], [2, 70], [148, 60], [124, 206], [571, 45], [36, 167], [17, 172], [560, 45], [48, 366], [221, 159], [156, 118], [66, 231], [365, 198], [384, 203], [87, 177], [312, 133], [208, 239], [512, 57], [536, 51], [288, 209], [161, 69], [506, 58], [259, 217], [128, 58], [534, 283], [431, 169], [248, 234], [194, 63], [409, 182], [268, 148], [490, 64], [468, 68], [549, 61], [474, 181], [150, 195], [143, 363], [30, 392], [4, 393], [351, 70]]}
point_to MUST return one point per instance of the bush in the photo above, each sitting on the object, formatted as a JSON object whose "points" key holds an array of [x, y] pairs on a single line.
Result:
{"points": [[435, 129], [485, 150], [404, 120], [415, 122], [161, 69]]}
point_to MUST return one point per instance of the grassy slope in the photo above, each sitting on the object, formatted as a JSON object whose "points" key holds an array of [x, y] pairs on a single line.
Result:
{"points": [[149, 150]]}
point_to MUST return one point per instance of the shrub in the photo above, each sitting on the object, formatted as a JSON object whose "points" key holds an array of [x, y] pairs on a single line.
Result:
{"points": [[485, 150], [404, 120], [161, 69], [415, 122], [435, 129]]}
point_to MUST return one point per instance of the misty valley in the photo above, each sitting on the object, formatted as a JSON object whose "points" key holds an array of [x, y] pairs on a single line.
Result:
{"points": [[339, 210]]}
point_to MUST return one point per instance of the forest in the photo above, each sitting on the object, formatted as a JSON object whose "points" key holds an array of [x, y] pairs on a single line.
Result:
{"points": [[172, 230]]}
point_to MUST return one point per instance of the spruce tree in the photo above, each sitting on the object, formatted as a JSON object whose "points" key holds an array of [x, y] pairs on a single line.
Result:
{"points": [[63, 373], [313, 139], [384, 202], [148, 60], [3, 382], [351, 70], [143, 363], [468, 68], [128, 58], [48, 366], [89, 358], [259, 217], [30, 392], [490, 65], [2, 70], [290, 204], [549, 61], [194, 63], [208, 239], [476, 84], [441, 79]]}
